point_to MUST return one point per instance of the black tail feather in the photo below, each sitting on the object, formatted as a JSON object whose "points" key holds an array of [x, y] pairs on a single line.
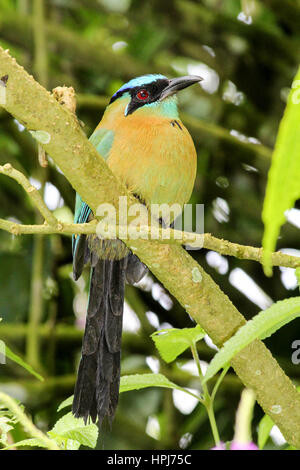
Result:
{"points": [[135, 269], [81, 254], [97, 387]]}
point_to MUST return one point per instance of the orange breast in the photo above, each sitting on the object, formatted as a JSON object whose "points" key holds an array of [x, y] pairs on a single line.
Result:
{"points": [[154, 156]]}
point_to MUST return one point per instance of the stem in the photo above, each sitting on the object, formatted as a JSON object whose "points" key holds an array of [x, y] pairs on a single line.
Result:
{"points": [[22, 7], [27, 424], [190, 393], [40, 50], [218, 382], [244, 415], [36, 304], [207, 400], [36, 296]]}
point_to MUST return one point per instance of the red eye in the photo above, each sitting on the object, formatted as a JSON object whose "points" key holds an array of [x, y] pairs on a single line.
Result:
{"points": [[142, 95]]}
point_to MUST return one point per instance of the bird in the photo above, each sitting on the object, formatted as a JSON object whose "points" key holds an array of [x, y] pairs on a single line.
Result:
{"points": [[148, 148]]}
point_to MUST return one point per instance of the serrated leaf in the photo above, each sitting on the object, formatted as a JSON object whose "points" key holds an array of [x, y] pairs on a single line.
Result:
{"points": [[264, 429], [283, 187], [33, 442], [67, 402], [65, 443], [173, 341], [261, 326], [72, 445], [69, 427], [138, 381], [14, 357]]}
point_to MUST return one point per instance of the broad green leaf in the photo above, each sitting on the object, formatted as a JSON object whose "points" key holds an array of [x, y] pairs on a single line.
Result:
{"points": [[33, 442], [69, 427], [66, 444], [138, 381], [135, 382], [14, 357], [283, 187], [264, 429], [261, 326], [67, 402], [72, 445], [173, 341]]}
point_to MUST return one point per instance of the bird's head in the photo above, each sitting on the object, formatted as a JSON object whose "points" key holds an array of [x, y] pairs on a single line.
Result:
{"points": [[154, 93]]}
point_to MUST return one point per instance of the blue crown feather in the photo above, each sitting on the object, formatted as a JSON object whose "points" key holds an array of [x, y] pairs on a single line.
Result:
{"points": [[139, 81]]}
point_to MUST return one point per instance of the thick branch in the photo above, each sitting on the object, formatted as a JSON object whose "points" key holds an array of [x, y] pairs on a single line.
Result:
{"points": [[174, 267]]}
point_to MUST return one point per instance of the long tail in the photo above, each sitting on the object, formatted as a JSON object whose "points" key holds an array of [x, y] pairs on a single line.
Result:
{"points": [[97, 387]]}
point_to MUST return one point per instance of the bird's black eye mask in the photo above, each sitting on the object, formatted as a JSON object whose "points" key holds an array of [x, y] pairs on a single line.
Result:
{"points": [[140, 95]]}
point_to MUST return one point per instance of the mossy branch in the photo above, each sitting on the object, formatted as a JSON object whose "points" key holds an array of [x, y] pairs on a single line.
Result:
{"points": [[32, 105]]}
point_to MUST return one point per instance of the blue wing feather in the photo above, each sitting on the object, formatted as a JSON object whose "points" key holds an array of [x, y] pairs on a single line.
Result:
{"points": [[102, 139]]}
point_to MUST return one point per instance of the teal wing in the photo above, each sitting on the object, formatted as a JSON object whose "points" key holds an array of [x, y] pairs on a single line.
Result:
{"points": [[102, 139]]}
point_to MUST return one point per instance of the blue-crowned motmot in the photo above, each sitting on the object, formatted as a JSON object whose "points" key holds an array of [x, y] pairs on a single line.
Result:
{"points": [[148, 148]]}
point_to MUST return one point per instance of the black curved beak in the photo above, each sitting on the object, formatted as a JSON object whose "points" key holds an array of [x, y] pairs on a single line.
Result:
{"points": [[176, 84]]}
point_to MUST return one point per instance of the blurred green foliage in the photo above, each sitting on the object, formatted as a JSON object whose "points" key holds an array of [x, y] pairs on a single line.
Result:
{"points": [[249, 62]]}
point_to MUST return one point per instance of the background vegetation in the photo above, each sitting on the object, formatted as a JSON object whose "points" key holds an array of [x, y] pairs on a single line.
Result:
{"points": [[248, 53]]}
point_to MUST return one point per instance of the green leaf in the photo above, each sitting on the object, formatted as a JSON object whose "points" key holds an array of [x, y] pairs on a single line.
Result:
{"points": [[138, 381], [173, 341], [67, 402], [14, 357], [264, 429], [33, 442], [283, 187], [5, 427], [69, 427], [261, 326]]}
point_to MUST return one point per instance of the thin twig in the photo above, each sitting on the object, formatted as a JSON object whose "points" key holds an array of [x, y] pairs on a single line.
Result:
{"points": [[32, 192], [175, 237]]}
